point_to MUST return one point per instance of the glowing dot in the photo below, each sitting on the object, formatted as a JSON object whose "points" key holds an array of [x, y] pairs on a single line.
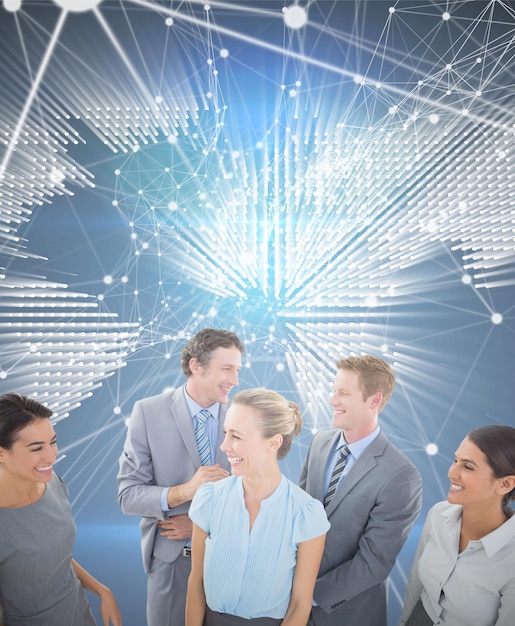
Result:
{"points": [[159, 99], [135, 147], [12, 5], [292, 93], [224, 53], [117, 172], [207, 7], [391, 10], [466, 279], [57, 176], [78, 5], [496, 318], [101, 297], [173, 206], [117, 410], [431, 449], [448, 66], [108, 280], [124, 279], [434, 118], [3, 375], [295, 16], [169, 21], [172, 139], [446, 16], [280, 367]]}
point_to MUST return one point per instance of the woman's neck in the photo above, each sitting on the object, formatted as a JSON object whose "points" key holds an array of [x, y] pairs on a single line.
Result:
{"points": [[258, 487], [477, 523], [15, 494]]}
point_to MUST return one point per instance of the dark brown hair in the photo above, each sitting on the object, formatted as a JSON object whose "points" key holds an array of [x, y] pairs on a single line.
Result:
{"points": [[497, 443], [204, 343], [16, 412]]}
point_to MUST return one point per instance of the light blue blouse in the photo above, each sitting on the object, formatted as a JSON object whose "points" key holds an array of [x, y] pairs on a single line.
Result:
{"points": [[250, 574]]}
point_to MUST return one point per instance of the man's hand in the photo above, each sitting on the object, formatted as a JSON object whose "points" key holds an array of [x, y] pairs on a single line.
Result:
{"points": [[205, 474], [184, 493], [176, 527]]}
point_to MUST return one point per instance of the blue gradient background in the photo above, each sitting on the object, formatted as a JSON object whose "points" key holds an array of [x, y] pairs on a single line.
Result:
{"points": [[339, 188]]}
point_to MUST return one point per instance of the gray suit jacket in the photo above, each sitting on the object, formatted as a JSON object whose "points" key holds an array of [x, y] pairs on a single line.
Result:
{"points": [[371, 515], [160, 451]]}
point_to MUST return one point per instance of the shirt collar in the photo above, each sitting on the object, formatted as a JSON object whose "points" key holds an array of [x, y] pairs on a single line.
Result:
{"points": [[194, 407], [358, 447], [494, 541]]}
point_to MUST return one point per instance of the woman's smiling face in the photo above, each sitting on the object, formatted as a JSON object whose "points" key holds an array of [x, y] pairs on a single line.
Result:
{"points": [[246, 448], [472, 479], [33, 454]]}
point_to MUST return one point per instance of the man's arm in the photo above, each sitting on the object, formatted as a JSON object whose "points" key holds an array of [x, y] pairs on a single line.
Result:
{"points": [[138, 493]]}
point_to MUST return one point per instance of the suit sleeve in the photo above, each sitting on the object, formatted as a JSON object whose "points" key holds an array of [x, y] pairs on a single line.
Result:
{"points": [[138, 493], [395, 510], [414, 586]]}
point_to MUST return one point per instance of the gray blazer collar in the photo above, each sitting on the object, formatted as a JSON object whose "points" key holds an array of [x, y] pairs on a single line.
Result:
{"points": [[366, 462]]}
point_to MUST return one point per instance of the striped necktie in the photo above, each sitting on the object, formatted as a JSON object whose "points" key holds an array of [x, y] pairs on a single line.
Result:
{"points": [[337, 472], [204, 449]]}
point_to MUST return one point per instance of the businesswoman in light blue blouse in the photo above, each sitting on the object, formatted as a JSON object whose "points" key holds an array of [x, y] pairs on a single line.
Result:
{"points": [[464, 569], [257, 538]]}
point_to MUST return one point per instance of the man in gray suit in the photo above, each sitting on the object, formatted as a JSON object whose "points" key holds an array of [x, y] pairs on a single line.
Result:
{"points": [[372, 494], [161, 466]]}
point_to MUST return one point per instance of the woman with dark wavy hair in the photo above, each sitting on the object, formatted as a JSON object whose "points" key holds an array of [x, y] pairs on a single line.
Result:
{"points": [[464, 568], [40, 583]]}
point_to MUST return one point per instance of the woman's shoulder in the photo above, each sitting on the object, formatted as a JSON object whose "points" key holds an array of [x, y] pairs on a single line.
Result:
{"points": [[215, 489], [302, 498], [444, 510]]}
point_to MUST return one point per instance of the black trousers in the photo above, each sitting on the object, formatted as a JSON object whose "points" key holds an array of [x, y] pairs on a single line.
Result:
{"points": [[224, 619], [419, 617]]}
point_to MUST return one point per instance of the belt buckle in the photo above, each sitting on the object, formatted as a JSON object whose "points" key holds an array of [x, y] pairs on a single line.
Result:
{"points": [[186, 552]]}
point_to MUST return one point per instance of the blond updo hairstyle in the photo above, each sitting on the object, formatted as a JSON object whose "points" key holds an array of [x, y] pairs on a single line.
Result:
{"points": [[277, 415]]}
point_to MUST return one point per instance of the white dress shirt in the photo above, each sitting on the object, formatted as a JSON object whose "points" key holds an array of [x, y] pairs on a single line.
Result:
{"points": [[476, 586]]}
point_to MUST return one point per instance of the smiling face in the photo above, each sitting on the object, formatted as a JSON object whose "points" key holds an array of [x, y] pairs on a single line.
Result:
{"points": [[247, 450], [33, 454], [354, 414], [212, 383], [472, 480]]}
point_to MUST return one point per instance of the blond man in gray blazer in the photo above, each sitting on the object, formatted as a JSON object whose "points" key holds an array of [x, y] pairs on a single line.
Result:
{"points": [[161, 466], [372, 500]]}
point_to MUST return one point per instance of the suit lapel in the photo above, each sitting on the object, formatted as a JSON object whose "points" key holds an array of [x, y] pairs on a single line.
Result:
{"points": [[181, 416], [322, 462], [365, 464], [221, 457]]}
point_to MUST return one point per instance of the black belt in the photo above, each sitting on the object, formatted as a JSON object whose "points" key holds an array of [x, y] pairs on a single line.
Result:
{"points": [[186, 552]]}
